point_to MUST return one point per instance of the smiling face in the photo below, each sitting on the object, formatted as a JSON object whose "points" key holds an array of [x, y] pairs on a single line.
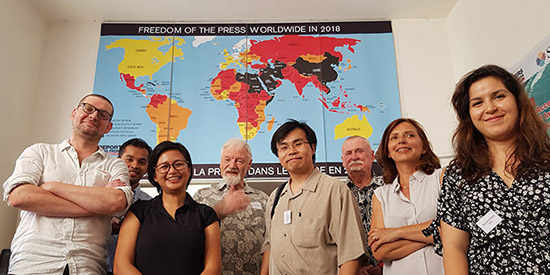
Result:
{"points": [[234, 165], [493, 110], [357, 155], [90, 126], [405, 144], [173, 181], [136, 160], [298, 156]]}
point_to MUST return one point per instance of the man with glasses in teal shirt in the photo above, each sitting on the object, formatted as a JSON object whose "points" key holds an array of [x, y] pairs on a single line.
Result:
{"points": [[67, 193]]}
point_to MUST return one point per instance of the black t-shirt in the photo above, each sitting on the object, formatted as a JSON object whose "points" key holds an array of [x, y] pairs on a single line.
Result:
{"points": [[168, 246]]}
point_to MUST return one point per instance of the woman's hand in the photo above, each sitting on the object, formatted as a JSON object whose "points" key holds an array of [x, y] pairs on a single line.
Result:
{"points": [[380, 236]]}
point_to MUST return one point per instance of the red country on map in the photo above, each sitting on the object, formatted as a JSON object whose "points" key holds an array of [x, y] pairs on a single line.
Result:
{"points": [[299, 59]]}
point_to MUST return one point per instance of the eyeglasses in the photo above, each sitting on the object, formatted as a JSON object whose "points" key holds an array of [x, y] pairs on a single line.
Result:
{"points": [[90, 109], [165, 167], [298, 144]]}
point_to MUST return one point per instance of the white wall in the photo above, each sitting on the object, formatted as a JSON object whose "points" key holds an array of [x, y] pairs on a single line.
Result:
{"points": [[425, 76], [501, 32], [67, 74], [21, 46], [50, 68]]}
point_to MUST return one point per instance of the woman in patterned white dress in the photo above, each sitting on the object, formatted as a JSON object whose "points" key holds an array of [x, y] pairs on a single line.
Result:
{"points": [[495, 200]]}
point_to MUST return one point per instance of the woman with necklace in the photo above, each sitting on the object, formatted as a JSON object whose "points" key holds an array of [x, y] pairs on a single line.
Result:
{"points": [[407, 204]]}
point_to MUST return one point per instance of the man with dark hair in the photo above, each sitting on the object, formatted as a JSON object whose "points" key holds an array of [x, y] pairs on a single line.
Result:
{"points": [[357, 158], [67, 194], [315, 227], [135, 153], [240, 209]]}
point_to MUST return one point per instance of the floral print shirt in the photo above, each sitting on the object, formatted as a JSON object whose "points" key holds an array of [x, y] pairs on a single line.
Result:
{"points": [[520, 242]]}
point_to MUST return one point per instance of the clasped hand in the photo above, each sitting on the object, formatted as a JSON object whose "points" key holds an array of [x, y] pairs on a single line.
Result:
{"points": [[380, 236]]}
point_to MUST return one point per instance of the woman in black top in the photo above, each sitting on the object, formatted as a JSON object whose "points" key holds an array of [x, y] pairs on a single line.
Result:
{"points": [[495, 201], [170, 234]]}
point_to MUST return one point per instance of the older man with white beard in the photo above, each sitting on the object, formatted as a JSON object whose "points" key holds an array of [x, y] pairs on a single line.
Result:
{"points": [[357, 158], [240, 208]]}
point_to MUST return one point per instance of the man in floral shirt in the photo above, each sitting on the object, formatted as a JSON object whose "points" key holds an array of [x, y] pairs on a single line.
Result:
{"points": [[240, 208], [357, 158]]}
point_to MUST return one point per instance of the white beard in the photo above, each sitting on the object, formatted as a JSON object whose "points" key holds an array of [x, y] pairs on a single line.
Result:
{"points": [[231, 180]]}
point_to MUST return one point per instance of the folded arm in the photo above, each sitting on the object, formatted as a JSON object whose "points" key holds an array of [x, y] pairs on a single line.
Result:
{"points": [[98, 200], [396, 250], [394, 243], [380, 235], [32, 198]]}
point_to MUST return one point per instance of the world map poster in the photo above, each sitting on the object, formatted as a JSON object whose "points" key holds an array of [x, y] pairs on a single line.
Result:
{"points": [[201, 84], [534, 72]]}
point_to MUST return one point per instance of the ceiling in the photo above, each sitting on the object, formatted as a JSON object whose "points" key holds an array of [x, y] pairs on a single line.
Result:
{"points": [[240, 10]]}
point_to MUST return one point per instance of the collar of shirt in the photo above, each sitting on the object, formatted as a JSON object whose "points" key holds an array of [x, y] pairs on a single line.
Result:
{"points": [[65, 145], [156, 203], [375, 182], [309, 185], [418, 176], [221, 186]]}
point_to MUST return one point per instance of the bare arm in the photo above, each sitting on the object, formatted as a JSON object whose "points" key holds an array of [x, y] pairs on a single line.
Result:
{"points": [[126, 246], [350, 267], [98, 200], [395, 249], [380, 236], [212, 251], [455, 249], [33, 198], [264, 270]]}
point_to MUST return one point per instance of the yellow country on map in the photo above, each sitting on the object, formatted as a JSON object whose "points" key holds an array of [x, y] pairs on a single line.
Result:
{"points": [[353, 126]]}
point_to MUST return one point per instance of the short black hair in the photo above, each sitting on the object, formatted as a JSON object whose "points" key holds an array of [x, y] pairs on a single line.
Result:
{"points": [[157, 152], [286, 128], [136, 142]]}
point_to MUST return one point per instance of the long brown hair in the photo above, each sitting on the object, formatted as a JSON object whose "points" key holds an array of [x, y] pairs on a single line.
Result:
{"points": [[532, 150], [428, 160]]}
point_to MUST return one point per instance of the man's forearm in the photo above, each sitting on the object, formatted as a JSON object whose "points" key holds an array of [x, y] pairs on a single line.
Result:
{"points": [[34, 199], [98, 200]]}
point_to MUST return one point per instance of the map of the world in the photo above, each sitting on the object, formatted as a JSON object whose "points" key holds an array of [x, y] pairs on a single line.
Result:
{"points": [[201, 84]]}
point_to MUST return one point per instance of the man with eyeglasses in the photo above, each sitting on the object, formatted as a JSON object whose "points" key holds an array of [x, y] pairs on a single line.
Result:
{"points": [[67, 193], [240, 209], [314, 227]]}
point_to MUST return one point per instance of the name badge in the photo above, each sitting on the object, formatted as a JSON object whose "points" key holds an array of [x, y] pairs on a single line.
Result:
{"points": [[489, 221], [287, 217], [256, 205]]}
